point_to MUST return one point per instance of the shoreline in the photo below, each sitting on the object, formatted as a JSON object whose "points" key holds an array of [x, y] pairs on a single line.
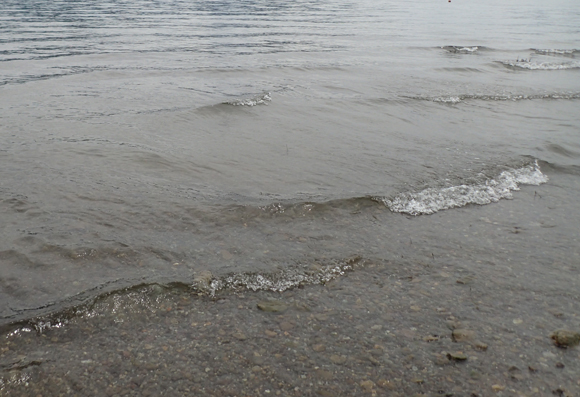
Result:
{"points": [[463, 324]]}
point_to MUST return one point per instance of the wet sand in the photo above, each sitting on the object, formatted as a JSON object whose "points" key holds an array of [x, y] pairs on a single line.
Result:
{"points": [[459, 324]]}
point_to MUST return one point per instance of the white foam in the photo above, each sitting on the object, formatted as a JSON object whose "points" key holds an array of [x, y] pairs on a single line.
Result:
{"points": [[448, 99], [526, 64], [262, 99], [282, 280], [432, 200]]}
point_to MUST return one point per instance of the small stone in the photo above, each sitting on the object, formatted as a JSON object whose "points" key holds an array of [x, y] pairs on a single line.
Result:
{"points": [[559, 365], [465, 280], [518, 321], [286, 326], [240, 336], [367, 385], [532, 369], [256, 368], [323, 374], [565, 338], [480, 346], [462, 335], [431, 338], [373, 360], [497, 388], [203, 279], [416, 308], [270, 333], [385, 384], [325, 393], [319, 348], [272, 306], [336, 359], [456, 356]]}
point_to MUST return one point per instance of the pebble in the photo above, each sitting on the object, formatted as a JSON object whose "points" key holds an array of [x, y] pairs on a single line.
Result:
{"points": [[367, 385], [565, 338], [319, 348], [272, 306], [456, 356], [336, 359], [462, 335], [324, 374]]}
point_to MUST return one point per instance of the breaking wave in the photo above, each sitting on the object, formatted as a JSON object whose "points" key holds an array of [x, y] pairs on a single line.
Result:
{"points": [[432, 200]]}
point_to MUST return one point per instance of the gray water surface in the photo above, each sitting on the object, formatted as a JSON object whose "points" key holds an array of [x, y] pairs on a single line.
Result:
{"points": [[144, 141]]}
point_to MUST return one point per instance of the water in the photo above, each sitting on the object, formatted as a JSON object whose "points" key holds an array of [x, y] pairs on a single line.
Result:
{"points": [[152, 141]]}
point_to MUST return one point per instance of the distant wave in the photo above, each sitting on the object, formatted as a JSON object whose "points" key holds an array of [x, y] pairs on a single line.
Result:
{"points": [[532, 65], [454, 99], [432, 200], [261, 99], [462, 49], [570, 52]]}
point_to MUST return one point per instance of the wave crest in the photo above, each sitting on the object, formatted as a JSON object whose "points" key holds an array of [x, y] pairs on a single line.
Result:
{"points": [[261, 99], [432, 200], [531, 65]]}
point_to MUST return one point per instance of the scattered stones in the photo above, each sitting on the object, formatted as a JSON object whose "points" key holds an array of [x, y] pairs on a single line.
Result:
{"points": [[462, 335], [565, 338], [272, 306]]}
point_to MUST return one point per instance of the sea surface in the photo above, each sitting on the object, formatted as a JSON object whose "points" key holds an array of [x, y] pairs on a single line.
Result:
{"points": [[265, 144]]}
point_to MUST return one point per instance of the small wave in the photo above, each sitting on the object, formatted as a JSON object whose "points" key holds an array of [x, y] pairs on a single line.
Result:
{"points": [[571, 52], [531, 65], [461, 49], [149, 296], [454, 99], [262, 99], [432, 200]]}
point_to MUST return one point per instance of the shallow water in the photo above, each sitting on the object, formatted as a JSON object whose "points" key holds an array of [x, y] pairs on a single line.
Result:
{"points": [[146, 142]]}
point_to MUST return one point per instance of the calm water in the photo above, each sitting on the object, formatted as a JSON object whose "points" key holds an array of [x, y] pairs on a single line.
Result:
{"points": [[146, 141]]}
